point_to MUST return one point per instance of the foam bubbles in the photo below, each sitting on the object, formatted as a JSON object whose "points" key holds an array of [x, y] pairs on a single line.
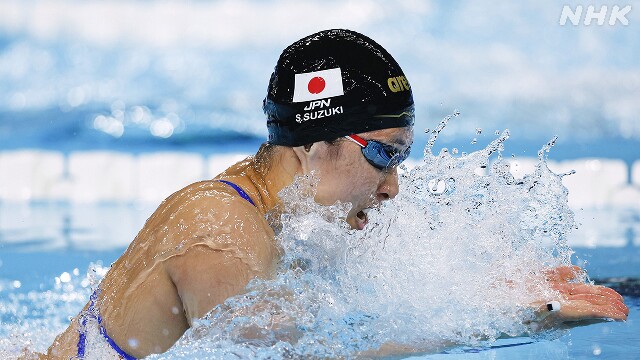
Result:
{"points": [[33, 318]]}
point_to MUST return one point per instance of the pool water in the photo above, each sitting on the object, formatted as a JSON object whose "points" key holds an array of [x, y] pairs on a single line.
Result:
{"points": [[51, 289]]}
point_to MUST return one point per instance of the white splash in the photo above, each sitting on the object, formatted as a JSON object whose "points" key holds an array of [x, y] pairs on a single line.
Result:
{"points": [[454, 260]]}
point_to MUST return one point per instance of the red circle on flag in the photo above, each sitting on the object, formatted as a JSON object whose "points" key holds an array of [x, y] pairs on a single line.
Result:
{"points": [[316, 85]]}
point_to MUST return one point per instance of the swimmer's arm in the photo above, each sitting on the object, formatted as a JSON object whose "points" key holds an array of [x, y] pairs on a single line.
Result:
{"points": [[206, 277], [581, 304], [227, 243]]}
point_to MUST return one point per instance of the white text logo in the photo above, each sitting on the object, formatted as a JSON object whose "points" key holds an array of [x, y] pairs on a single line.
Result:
{"points": [[617, 14]]}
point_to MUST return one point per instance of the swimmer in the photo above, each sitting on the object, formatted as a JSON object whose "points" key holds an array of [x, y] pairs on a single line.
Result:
{"points": [[337, 104]]}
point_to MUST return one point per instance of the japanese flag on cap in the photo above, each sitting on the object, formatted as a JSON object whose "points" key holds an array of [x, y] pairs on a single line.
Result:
{"points": [[317, 85]]}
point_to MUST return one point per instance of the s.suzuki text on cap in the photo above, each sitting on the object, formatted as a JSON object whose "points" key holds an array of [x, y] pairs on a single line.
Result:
{"points": [[335, 83]]}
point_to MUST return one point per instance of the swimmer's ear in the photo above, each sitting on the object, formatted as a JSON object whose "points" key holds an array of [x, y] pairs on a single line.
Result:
{"points": [[307, 154]]}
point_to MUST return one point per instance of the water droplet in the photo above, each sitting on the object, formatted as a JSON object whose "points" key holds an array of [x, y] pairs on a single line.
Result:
{"points": [[597, 350], [437, 186], [426, 131], [478, 131], [454, 151], [437, 130], [474, 141], [133, 343], [546, 148], [497, 132]]}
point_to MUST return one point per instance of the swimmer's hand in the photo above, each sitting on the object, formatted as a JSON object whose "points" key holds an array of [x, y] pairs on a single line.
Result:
{"points": [[580, 304]]}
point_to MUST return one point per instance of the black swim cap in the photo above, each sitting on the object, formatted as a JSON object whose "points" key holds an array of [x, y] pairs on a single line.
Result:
{"points": [[335, 83]]}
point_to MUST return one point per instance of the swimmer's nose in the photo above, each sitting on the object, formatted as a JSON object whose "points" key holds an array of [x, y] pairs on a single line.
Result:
{"points": [[388, 189]]}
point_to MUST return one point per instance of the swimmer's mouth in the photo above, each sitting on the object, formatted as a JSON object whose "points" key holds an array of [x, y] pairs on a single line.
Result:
{"points": [[362, 219]]}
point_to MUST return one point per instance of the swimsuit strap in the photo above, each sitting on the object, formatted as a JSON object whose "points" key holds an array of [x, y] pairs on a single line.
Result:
{"points": [[113, 344], [237, 188], [93, 312]]}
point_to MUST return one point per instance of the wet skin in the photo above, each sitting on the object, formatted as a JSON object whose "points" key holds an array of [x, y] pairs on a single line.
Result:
{"points": [[205, 243]]}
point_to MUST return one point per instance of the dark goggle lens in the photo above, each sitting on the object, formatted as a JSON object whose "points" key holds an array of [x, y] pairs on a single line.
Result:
{"points": [[383, 156]]}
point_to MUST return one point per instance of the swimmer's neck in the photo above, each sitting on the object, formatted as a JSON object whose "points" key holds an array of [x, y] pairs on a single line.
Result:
{"points": [[263, 182]]}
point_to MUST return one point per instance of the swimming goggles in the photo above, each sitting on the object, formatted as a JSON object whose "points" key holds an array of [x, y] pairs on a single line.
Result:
{"points": [[380, 155]]}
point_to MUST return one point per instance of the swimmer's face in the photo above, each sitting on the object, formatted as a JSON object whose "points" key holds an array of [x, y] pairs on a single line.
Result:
{"points": [[346, 176]]}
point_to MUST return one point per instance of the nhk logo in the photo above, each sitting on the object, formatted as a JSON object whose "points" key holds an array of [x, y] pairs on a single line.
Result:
{"points": [[616, 14], [398, 83]]}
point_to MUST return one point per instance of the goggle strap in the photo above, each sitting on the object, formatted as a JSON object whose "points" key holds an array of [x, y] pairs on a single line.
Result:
{"points": [[357, 139]]}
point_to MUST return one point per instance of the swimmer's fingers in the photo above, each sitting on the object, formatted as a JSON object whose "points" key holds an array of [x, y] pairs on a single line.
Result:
{"points": [[598, 295], [601, 300], [579, 310], [563, 273], [568, 289]]}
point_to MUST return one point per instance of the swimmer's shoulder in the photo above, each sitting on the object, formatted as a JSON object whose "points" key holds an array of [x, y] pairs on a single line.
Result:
{"points": [[229, 243], [202, 198], [210, 213]]}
